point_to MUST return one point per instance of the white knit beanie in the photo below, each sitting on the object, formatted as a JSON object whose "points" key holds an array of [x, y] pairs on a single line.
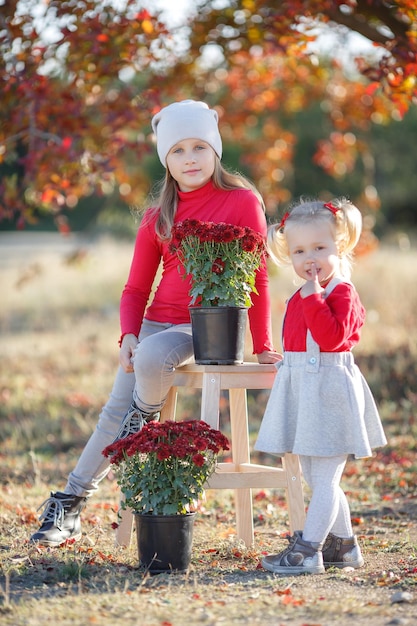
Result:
{"points": [[188, 119]]}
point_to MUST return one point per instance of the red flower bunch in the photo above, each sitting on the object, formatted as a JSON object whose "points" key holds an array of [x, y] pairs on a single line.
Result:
{"points": [[163, 468], [221, 260]]}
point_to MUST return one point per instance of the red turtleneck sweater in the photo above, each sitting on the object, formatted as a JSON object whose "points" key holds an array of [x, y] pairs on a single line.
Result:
{"points": [[171, 300]]}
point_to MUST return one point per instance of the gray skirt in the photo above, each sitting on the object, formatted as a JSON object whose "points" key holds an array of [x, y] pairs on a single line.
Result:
{"points": [[320, 405]]}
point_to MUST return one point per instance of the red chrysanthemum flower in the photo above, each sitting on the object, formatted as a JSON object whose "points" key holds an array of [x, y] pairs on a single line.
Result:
{"points": [[221, 259], [161, 469]]}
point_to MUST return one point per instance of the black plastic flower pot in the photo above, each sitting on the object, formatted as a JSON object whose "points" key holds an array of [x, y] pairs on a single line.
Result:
{"points": [[219, 334], [165, 541]]}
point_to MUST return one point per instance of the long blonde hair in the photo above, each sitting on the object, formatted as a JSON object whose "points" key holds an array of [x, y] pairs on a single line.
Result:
{"points": [[344, 218], [166, 202]]}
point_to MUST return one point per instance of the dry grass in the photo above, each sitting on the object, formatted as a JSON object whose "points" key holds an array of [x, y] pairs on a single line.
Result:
{"points": [[59, 331]]}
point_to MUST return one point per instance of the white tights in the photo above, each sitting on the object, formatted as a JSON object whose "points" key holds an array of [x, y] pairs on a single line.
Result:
{"points": [[328, 509]]}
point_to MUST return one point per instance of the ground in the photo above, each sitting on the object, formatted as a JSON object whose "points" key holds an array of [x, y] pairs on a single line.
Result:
{"points": [[92, 581], [59, 331]]}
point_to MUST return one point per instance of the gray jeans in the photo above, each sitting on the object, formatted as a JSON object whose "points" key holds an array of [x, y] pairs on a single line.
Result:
{"points": [[161, 348]]}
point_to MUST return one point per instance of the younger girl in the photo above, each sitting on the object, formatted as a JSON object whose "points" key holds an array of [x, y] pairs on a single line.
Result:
{"points": [[320, 406], [156, 332]]}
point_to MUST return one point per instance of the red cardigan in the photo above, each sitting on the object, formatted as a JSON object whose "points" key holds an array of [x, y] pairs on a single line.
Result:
{"points": [[171, 300], [334, 322]]}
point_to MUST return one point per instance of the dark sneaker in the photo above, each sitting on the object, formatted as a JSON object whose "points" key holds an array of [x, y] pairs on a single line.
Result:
{"points": [[134, 421], [301, 557], [338, 552], [61, 519]]}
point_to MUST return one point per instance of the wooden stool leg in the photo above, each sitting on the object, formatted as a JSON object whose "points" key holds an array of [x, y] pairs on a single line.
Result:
{"points": [[168, 410], [295, 495], [240, 452], [210, 399], [125, 525]]}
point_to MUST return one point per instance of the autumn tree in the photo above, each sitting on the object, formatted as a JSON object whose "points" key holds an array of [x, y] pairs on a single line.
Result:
{"points": [[69, 119], [256, 60], [76, 107]]}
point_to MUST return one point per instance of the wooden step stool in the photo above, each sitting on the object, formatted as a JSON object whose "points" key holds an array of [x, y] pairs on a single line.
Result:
{"points": [[240, 475]]}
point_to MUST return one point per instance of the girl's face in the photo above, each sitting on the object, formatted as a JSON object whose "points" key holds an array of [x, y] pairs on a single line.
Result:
{"points": [[310, 244], [191, 163]]}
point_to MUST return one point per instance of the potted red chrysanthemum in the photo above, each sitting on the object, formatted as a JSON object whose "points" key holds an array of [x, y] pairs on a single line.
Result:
{"points": [[162, 471], [221, 261]]}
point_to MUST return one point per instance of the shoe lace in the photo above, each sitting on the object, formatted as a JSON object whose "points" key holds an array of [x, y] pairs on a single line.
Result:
{"points": [[132, 423], [54, 511], [291, 541]]}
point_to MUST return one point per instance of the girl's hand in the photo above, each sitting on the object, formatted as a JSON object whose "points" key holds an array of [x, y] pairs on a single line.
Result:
{"points": [[269, 357], [127, 349], [311, 286]]}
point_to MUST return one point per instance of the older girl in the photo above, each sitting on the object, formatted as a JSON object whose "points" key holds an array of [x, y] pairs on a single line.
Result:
{"points": [[156, 331]]}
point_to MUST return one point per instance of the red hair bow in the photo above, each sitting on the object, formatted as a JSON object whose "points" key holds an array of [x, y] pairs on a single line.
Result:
{"points": [[284, 219], [331, 207]]}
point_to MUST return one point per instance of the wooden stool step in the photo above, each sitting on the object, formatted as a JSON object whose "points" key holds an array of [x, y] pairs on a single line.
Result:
{"points": [[241, 475]]}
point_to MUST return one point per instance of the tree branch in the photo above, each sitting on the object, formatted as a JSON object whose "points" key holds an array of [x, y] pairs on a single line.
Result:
{"points": [[358, 21]]}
